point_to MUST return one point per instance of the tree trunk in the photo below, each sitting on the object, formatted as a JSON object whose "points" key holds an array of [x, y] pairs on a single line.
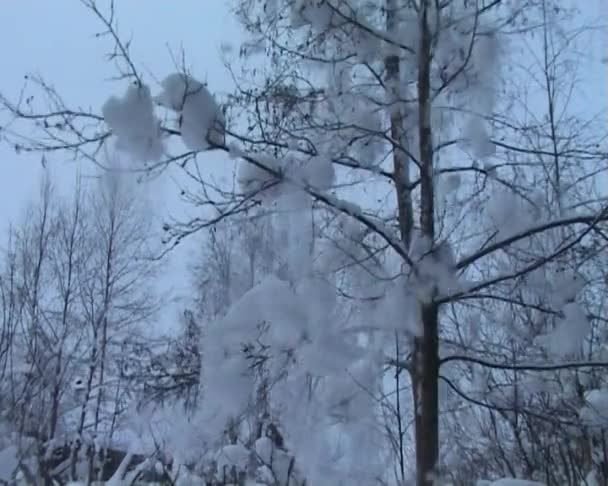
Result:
{"points": [[426, 347], [426, 398], [401, 162]]}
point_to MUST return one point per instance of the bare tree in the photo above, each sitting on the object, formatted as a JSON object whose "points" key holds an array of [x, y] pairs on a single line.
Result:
{"points": [[116, 298], [76, 295]]}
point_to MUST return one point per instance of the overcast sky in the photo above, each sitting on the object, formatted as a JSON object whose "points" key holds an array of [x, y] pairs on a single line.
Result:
{"points": [[56, 39]]}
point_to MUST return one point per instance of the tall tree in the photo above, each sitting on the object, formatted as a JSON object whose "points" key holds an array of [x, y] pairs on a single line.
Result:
{"points": [[414, 206]]}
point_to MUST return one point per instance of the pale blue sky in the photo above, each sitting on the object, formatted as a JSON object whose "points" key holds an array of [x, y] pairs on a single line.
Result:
{"points": [[57, 40]]}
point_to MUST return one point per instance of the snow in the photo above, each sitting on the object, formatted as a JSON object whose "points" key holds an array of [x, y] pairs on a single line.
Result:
{"points": [[570, 332], [129, 439], [452, 183], [474, 87], [595, 411], [368, 44], [186, 478], [228, 387], [369, 121], [311, 12], [331, 389], [328, 353], [399, 310], [291, 319], [233, 455], [566, 287], [435, 271], [339, 78], [202, 122], [119, 474], [228, 382], [252, 177], [508, 213], [264, 448], [134, 124], [591, 479], [272, 301], [281, 466], [435, 268], [333, 428], [8, 463], [347, 207], [477, 386], [318, 172], [476, 133], [297, 226], [485, 64]]}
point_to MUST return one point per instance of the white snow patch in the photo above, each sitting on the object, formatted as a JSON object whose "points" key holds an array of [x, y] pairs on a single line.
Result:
{"points": [[272, 301], [236, 455], [202, 122], [318, 172], [570, 332], [595, 412], [508, 213], [134, 124], [486, 54], [452, 183], [186, 478], [263, 448], [566, 286], [328, 353], [8, 463], [477, 136], [317, 14], [228, 386], [252, 177], [399, 310]]}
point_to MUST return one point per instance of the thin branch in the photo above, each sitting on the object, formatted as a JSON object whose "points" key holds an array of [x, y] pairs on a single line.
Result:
{"points": [[524, 367]]}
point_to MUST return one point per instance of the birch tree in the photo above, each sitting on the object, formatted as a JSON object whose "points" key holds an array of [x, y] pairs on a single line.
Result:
{"points": [[416, 199]]}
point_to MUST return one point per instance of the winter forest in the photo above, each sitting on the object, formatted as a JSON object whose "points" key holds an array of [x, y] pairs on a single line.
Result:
{"points": [[400, 216]]}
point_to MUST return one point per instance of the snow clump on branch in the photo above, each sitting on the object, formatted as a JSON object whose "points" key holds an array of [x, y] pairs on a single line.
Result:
{"points": [[132, 121], [201, 121]]}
